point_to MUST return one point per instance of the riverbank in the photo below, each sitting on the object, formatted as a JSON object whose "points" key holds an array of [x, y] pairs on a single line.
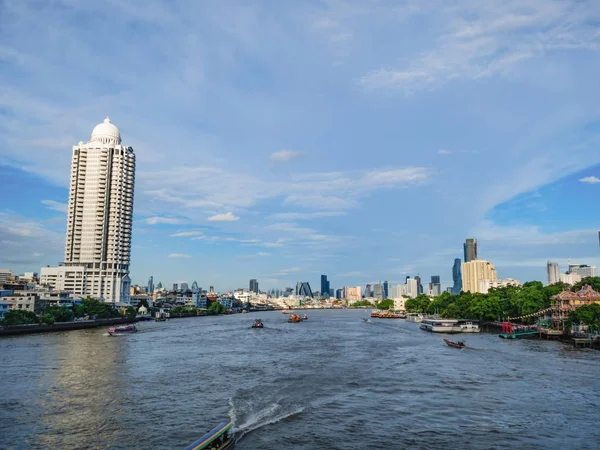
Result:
{"points": [[63, 326]]}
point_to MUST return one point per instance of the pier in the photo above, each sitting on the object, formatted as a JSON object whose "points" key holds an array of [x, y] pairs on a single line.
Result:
{"points": [[512, 331]]}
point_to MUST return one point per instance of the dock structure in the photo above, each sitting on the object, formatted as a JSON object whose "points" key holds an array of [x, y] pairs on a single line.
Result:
{"points": [[513, 331]]}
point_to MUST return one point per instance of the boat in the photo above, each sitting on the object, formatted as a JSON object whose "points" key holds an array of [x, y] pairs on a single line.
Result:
{"points": [[122, 329], [365, 320], [449, 343], [386, 315], [304, 317], [287, 311], [258, 324], [218, 438], [295, 318], [449, 326]]}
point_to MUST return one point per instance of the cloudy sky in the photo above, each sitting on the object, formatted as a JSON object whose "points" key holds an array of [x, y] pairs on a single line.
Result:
{"points": [[281, 140]]}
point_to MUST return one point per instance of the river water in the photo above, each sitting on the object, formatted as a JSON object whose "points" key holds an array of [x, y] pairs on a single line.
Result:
{"points": [[332, 382]]}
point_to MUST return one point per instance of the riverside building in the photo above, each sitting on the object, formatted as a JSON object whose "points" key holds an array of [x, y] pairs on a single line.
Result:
{"points": [[475, 271], [98, 242]]}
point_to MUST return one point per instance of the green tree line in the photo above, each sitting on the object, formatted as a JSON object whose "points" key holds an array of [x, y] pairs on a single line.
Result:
{"points": [[497, 304]]}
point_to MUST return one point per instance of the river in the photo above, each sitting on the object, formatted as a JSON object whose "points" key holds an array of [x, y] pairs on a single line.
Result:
{"points": [[332, 382]]}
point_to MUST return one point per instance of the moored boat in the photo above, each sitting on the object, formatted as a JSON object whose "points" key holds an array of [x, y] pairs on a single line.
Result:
{"points": [[257, 324], [449, 343], [122, 329], [218, 438], [450, 326]]}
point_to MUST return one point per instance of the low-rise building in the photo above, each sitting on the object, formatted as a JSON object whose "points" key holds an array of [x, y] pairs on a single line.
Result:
{"points": [[27, 301], [227, 303], [56, 298], [485, 285]]}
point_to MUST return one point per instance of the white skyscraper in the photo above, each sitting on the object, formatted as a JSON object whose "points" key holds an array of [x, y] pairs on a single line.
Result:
{"points": [[553, 272], [98, 244]]}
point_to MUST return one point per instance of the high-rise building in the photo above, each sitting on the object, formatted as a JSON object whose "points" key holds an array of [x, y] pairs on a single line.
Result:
{"points": [[353, 293], [367, 291], [151, 284], [324, 286], [5, 274], [175, 287], [582, 269], [305, 290], [378, 291], [475, 271], [412, 288], [339, 294], [386, 289], [470, 247], [456, 277], [298, 287], [419, 284], [98, 241], [159, 285], [435, 287], [331, 292], [253, 286], [195, 287], [184, 287], [553, 272]]}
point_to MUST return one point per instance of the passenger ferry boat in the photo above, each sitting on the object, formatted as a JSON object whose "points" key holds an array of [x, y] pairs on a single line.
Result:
{"points": [[449, 326], [217, 438]]}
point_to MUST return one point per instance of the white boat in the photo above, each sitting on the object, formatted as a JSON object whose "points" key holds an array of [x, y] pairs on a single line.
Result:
{"points": [[466, 326], [414, 317], [449, 326]]}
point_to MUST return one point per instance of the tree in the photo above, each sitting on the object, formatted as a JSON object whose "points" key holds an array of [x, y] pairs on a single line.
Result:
{"points": [[20, 317], [60, 313], [594, 282], [385, 304], [130, 312], [419, 304], [216, 308]]}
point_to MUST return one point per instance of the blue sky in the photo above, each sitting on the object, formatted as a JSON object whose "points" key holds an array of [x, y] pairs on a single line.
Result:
{"points": [[281, 140]]}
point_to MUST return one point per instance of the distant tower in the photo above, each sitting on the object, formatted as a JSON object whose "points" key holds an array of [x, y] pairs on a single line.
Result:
{"points": [[324, 286], [151, 284], [386, 289], [553, 271], [368, 291], [253, 286], [457, 277], [470, 249]]}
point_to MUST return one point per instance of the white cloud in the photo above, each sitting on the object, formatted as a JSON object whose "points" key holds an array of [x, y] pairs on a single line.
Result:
{"points": [[227, 217], [485, 39], [444, 152], [187, 233], [263, 254], [306, 215], [163, 220], [590, 180], [178, 255], [55, 206], [284, 155]]}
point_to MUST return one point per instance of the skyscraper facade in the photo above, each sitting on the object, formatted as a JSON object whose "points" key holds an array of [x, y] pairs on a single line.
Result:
{"points": [[378, 291], [419, 284], [99, 218], [470, 248], [456, 277], [367, 291], [253, 286], [553, 271], [324, 286], [386, 289], [151, 284], [435, 287], [473, 272], [582, 269], [305, 290]]}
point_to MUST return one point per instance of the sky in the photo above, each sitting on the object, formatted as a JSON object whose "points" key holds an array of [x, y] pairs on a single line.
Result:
{"points": [[280, 141]]}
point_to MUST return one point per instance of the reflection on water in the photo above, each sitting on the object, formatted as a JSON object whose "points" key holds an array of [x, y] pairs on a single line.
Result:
{"points": [[331, 382]]}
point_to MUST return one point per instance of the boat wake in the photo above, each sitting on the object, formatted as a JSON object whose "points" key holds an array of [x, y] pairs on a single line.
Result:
{"points": [[253, 420]]}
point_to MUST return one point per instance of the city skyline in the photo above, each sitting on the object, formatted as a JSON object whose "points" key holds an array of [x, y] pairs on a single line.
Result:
{"points": [[272, 167]]}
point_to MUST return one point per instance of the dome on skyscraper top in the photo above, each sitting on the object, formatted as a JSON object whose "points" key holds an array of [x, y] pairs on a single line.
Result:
{"points": [[106, 133]]}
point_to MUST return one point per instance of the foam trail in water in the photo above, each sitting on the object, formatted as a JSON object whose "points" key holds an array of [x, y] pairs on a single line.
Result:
{"points": [[262, 418]]}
